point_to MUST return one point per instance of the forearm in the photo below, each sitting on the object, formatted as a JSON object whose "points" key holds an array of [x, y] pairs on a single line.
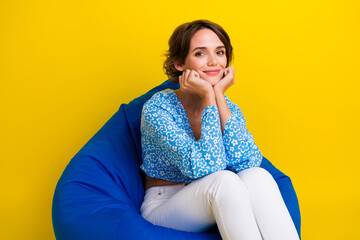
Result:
{"points": [[224, 111], [208, 98], [239, 143]]}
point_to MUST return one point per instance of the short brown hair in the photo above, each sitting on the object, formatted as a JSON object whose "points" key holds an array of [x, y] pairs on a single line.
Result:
{"points": [[179, 44]]}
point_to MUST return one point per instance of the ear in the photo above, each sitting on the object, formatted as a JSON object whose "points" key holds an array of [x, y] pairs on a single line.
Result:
{"points": [[178, 66]]}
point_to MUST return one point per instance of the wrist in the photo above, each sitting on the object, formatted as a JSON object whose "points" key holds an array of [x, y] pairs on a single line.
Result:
{"points": [[207, 93], [219, 90], [208, 98], [219, 96]]}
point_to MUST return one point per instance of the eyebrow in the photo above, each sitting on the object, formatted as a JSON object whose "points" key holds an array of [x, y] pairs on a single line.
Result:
{"points": [[205, 48]]}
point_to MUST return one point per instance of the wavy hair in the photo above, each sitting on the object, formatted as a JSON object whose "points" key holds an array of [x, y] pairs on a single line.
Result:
{"points": [[179, 44]]}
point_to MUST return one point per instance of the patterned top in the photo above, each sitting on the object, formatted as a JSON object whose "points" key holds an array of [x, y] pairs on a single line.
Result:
{"points": [[169, 148]]}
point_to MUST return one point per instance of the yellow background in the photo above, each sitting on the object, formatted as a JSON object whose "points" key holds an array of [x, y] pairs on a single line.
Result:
{"points": [[66, 66]]}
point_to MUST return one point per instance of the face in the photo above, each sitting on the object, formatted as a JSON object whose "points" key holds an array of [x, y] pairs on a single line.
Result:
{"points": [[207, 56]]}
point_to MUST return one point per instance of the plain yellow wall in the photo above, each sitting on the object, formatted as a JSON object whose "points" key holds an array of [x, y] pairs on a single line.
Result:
{"points": [[66, 66]]}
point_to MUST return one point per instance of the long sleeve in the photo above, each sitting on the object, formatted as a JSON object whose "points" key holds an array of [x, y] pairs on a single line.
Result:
{"points": [[239, 144], [166, 145]]}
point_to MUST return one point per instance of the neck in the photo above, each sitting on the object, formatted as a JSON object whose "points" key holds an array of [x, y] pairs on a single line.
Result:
{"points": [[190, 102]]}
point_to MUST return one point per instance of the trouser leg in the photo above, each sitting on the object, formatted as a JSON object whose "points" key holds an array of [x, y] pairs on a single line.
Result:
{"points": [[219, 198], [272, 216]]}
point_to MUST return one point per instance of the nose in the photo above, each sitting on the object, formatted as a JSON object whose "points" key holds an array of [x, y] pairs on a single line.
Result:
{"points": [[212, 61]]}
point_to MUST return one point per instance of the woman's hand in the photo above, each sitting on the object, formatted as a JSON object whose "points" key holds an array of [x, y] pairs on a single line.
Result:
{"points": [[227, 81], [190, 82]]}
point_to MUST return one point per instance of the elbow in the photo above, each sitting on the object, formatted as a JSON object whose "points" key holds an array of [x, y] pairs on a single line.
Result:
{"points": [[259, 158], [194, 174], [256, 159]]}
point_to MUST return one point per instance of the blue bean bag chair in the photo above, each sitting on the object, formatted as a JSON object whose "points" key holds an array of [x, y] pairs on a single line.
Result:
{"points": [[101, 190]]}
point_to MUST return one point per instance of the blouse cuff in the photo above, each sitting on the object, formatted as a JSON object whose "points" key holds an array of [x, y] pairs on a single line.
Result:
{"points": [[230, 126], [210, 123], [209, 109], [210, 117]]}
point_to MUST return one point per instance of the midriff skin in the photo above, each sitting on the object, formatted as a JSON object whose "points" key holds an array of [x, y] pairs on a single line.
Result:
{"points": [[154, 182]]}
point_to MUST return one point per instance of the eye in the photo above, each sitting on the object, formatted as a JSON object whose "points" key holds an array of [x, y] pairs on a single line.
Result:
{"points": [[199, 53], [221, 52]]}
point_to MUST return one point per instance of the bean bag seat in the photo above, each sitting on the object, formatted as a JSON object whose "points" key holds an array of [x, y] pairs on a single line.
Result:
{"points": [[100, 192]]}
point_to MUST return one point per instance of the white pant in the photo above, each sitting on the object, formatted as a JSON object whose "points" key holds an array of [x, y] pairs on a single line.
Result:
{"points": [[247, 205]]}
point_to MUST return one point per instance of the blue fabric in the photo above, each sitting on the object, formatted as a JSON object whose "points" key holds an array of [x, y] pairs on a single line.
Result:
{"points": [[100, 192]]}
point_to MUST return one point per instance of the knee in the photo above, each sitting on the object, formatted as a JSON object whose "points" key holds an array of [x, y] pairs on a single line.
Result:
{"points": [[224, 177], [224, 183], [256, 175], [255, 172]]}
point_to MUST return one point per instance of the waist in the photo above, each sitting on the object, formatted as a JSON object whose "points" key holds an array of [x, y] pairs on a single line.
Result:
{"points": [[156, 182]]}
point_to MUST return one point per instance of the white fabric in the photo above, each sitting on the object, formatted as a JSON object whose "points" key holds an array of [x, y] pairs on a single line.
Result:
{"points": [[247, 205]]}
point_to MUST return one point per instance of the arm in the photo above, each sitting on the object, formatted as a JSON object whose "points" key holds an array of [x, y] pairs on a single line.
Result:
{"points": [[194, 159], [219, 90], [224, 110], [239, 144]]}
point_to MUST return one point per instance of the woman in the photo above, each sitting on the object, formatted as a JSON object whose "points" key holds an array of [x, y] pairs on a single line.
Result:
{"points": [[201, 163]]}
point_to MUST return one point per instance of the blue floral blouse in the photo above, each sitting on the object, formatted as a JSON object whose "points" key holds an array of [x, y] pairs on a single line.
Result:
{"points": [[169, 148]]}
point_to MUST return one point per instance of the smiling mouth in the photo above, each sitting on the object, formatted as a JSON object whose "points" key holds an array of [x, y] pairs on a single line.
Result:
{"points": [[212, 72]]}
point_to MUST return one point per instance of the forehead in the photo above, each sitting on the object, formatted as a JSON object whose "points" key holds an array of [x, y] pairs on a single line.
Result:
{"points": [[205, 38]]}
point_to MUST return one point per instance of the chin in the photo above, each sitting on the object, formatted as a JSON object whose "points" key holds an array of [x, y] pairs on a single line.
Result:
{"points": [[212, 80]]}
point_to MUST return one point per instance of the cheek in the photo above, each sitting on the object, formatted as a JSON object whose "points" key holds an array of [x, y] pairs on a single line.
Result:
{"points": [[196, 63], [223, 62]]}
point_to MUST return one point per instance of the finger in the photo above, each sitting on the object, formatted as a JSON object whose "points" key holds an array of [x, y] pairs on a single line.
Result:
{"points": [[182, 79], [187, 73], [195, 74], [233, 73], [229, 76], [186, 79], [226, 74], [229, 72]]}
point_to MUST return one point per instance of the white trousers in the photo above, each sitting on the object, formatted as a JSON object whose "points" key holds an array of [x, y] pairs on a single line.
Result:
{"points": [[247, 205]]}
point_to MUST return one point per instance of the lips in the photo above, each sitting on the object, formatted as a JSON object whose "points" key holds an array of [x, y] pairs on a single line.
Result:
{"points": [[212, 72]]}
